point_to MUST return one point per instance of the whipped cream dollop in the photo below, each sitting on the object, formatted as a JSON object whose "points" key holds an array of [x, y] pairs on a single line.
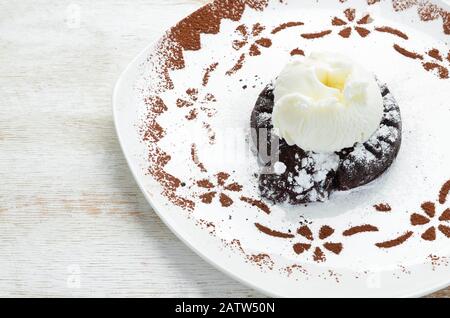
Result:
{"points": [[326, 102]]}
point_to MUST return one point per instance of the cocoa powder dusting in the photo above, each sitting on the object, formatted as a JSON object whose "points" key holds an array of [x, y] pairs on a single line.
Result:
{"points": [[225, 200], [437, 261], [297, 51], [254, 50], [265, 42], [284, 26], [360, 229], [208, 197], [417, 219], [383, 207], [409, 54], [211, 133], [325, 231], [155, 105], [208, 72], [395, 242], [169, 56], [365, 19], [222, 177], [158, 159], [301, 247], [236, 187], [194, 157], [305, 232], [443, 193], [393, 31], [193, 113], [153, 132], [208, 225], [237, 243], [338, 22], [256, 203], [271, 232], [237, 66], [445, 216], [428, 11], [434, 53], [205, 183], [331, 274], [186, 34], [350, 14], [362, 31], [183, 103], [318, 255], [446, 21], [441, 70], [400, 5], [192, 93], [335, 248], [315, 35], [430, 234], [295, 267], [179, 201], [444, 229], [170, 184], [262, 260], [429, 208], [345, 33]]}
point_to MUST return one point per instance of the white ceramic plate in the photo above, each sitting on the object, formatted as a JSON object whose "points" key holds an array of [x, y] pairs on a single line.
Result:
{"points": [[182, 112]]}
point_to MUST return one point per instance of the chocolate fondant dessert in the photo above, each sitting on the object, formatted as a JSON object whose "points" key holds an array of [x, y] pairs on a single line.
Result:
{"points": [[305, 176]]}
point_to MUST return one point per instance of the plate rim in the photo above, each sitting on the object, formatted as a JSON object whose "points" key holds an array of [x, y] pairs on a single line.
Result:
{"points": [[198, 250]]}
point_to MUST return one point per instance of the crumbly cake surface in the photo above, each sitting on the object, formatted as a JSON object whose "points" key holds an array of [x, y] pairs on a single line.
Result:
{"points": [[310, 177]]}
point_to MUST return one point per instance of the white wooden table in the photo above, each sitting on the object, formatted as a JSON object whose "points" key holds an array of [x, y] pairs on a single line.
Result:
{"points": [[72, 220]]}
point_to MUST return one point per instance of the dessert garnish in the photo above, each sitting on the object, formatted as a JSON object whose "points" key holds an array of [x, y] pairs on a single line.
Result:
{"points": [[326, 103], [335, 125]]}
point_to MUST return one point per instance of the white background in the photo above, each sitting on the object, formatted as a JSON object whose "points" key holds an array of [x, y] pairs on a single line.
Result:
{"points": [[72, 220]]}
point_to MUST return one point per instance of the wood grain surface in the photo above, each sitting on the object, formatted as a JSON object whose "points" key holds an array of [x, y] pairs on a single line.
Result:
{"points": [[73, 223]]}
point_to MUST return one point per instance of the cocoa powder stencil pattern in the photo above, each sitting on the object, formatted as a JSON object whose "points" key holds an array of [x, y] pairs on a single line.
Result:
{"points": [[182, 112]]}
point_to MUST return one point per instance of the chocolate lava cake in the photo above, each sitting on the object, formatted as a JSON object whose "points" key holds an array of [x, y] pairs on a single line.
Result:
{"points": [[310, 177]]}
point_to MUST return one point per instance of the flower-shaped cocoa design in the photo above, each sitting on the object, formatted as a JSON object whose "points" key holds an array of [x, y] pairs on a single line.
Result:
{"points": [[438, 63], [196, 103], [348, 24], [428, 217], [432, 60], [219, 188], [250, 36], [324, 233]]}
